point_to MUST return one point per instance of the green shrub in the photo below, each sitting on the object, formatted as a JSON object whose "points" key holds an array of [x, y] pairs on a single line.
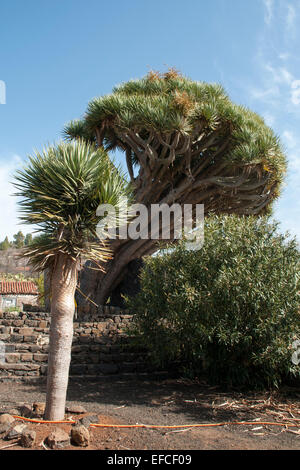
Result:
{"points": [[229, 310]]}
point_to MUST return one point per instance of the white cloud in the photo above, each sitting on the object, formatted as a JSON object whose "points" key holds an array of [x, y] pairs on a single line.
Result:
{"points": [[292, 143], [285, 76], [290, 139], [9, 223], [267, 95], [294, 164], [284, 56], [281, 88], [280, 74], [295, 92], [268, 11], [290, 17], [279, 85], [269, 118]]}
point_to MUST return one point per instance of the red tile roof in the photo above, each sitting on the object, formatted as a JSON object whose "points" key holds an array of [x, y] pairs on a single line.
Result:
{"points": [[18, 287]]}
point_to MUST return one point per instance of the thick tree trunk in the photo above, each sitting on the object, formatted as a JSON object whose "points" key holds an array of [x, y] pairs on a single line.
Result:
{"points": [[117, 269], [129, 287], [98, 285], [63, 285]]}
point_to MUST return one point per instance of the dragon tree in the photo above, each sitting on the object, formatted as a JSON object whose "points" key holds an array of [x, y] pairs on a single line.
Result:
{"points": [[184, 142], [60, 190]]}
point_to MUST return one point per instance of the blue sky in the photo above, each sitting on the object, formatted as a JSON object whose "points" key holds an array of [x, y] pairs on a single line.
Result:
{"points": [[56, 55]]}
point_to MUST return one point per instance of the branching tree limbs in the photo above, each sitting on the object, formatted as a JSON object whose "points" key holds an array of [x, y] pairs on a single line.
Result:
{"points": [[184, 142]]}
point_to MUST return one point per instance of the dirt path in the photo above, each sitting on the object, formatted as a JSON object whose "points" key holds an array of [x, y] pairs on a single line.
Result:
{"points": [[172, 402]]}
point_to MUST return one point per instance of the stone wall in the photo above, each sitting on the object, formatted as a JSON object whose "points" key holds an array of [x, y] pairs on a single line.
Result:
{"points": [[87, 311], [101, 346]]}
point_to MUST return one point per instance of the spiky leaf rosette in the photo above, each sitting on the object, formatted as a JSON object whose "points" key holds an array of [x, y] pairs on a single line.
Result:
{"points": [[189, 142], [61, 189]]}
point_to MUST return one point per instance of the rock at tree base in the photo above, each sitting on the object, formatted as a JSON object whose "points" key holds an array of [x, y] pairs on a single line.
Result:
{"points": [[15, 432], [26, 411], [39, 409], [80, 436], [13, 411], [28, 438], [6, 419], [76, 409], [4, 428], [58, 439], [87, 420]]}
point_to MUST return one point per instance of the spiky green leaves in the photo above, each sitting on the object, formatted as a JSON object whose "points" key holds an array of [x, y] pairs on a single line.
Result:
{"points": [[163, 104], [61, 189], [169, 103], [77, 129]]}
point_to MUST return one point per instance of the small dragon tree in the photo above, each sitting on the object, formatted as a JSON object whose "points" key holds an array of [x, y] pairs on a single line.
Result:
{"points": [[61, 189], [184, 142]]}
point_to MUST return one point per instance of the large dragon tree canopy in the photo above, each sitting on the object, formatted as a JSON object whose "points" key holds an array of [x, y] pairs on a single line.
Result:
{"points": [[187, 142]]}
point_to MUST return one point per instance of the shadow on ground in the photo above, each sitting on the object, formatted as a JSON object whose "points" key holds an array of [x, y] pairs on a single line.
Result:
{"points": [[173, 401]]}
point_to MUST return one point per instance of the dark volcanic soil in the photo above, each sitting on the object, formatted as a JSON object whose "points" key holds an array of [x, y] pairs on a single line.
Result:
{"points": [[170, 402]]}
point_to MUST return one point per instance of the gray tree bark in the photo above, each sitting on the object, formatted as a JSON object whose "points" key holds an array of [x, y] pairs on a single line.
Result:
{"points": [[63, 285]]}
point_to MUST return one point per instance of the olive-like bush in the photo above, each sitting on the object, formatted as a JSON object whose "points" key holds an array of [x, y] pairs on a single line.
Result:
{"points": [[229, 310]]}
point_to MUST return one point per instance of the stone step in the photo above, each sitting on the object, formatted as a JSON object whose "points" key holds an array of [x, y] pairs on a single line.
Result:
{"points": [[129, 356], [155, 375], [40, 336], [90, 358], [45, 323], [124, 356], [94, 369], [23, 336], [22, 369], [81, 371], [104, 351], [25, 348], [24, 315], [17, 326], [19, 366], [110, 317], [93, 350], [82, 331], [15, 358], [13, 323]]}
